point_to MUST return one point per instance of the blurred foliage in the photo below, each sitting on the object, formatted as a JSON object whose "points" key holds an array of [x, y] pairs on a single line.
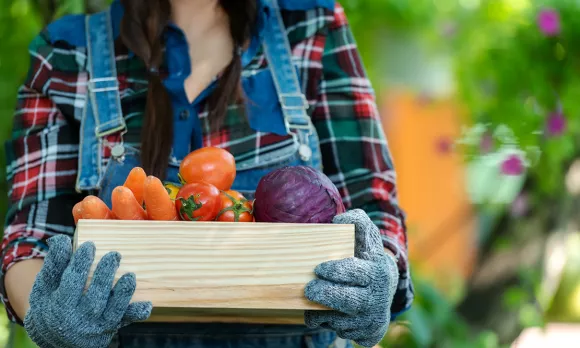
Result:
{"points": [[433, 322], [432, 318], [516, 68], [514, 78]]}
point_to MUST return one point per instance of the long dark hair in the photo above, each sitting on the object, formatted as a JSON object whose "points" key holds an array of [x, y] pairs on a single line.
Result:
{"points": [[142, 31]]}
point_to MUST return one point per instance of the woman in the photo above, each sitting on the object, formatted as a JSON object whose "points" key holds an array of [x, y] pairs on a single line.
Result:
{"points": [[144, 83]]}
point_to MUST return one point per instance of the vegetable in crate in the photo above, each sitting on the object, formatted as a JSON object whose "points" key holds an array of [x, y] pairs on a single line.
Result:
{"points": [[158, 203], [172, 189], [297, 194], [78, 212], [92, 207], [198, 202], [210, 165], [235, 208], [125, 206], [136, 183]]}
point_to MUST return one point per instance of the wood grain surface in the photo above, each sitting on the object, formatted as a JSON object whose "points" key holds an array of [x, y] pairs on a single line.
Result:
{"points": [[228, 316], [225, 271]]}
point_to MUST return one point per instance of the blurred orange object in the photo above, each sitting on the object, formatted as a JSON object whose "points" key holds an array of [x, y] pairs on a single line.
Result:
{"points": [[432, 186]]}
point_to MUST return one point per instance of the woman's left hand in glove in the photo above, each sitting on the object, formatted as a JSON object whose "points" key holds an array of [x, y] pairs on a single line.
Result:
{"points": [[359, 290]]}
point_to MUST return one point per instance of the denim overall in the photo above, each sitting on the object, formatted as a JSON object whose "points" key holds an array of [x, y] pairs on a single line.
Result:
{"points": [[103, 117]]}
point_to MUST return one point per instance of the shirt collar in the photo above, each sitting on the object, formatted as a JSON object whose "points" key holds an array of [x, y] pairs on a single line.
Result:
{"points": [[117, 12]]}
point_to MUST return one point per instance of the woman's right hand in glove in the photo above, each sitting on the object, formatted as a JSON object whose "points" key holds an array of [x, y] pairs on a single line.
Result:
{"points": [[63, 315]]}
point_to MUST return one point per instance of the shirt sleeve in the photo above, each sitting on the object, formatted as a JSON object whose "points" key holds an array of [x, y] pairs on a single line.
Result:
{"points": [[41, 159], [356, 156]]}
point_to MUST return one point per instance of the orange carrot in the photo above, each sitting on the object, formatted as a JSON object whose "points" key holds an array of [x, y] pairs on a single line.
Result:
{"points": [[135, 182], [125, 206], [78, 211], [158, 203], [94, 208]]}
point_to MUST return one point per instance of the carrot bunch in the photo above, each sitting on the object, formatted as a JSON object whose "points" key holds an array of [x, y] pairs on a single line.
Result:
{"points": [[141, 197], [204, 194]]}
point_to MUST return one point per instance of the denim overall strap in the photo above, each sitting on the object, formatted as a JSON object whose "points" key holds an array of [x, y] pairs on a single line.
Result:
{"points": [[292, 100], [102, 115]]}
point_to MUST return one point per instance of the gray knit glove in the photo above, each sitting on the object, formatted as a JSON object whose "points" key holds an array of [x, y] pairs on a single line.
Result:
{"points": [[61, 315], [359, 290]]}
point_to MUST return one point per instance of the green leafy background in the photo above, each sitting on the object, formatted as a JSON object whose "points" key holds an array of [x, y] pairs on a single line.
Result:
{"points": [[507, 76]]}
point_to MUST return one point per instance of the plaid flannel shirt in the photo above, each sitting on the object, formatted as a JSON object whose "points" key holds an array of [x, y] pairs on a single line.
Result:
{"points": [[42, 155]]}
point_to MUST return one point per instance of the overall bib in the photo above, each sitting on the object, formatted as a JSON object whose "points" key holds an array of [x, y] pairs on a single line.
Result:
{"points": [[103, 116]]}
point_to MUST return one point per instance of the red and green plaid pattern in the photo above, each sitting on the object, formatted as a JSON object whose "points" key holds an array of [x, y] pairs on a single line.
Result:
{"points": [[42, 155]]}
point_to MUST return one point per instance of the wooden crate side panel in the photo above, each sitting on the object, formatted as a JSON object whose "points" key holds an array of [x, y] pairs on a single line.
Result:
{"points": [[220, 265]]}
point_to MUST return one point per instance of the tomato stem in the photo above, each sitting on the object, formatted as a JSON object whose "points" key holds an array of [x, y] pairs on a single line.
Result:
{"points": [[181, 180], [188, 207], [237, 207]]}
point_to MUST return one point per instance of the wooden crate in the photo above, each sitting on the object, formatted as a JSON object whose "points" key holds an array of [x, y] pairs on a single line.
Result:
{"points": [[220, 272]]}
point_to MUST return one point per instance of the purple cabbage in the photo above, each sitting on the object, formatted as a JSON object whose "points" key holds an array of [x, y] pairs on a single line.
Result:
{"points": [[297, 194]]}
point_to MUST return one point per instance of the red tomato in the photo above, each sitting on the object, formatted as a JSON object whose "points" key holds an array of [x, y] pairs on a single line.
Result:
{"points": [[210, 165], [235, 208], [198, 202]]}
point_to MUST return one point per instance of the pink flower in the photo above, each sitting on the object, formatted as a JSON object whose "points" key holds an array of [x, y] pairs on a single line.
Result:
{"points": [[549, 22], [556, 124], [512, 165]]}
